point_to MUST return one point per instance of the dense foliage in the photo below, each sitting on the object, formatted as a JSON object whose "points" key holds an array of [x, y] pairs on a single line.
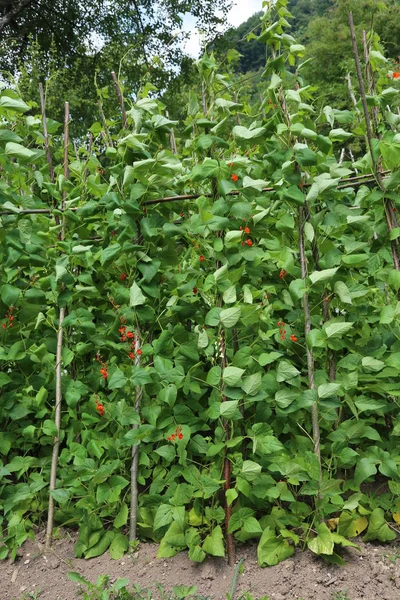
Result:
{"points": [[263, 305]]}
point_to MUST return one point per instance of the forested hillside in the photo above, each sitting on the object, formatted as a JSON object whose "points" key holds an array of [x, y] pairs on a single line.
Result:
{"points": [[322, 26]]}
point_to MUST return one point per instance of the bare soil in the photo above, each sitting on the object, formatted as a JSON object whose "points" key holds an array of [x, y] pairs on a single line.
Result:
{"points": [[371, 574]]}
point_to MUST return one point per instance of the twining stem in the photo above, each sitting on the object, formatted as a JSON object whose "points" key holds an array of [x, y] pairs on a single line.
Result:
{"points": [[135, 448], [309, 352], [57, 417], [120, 99]]}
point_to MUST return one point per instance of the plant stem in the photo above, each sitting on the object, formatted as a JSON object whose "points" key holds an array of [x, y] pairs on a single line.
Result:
{"points": [[58, 403]]}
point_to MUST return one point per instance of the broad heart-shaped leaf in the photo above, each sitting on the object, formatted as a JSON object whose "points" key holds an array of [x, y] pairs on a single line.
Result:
{"points": [[252, 383], [13, 104], [272, 549], [230, 316], [209, 168], [228, 408], [19, 151], [343, 292], [336, 330], [214, 543], [242, 133], [339, 135], [137, 298], [372, 365], [232, 375], [327, 390], [324, 275], [378, 529], [172, 542], [9, 294], [119, 546], [286, 371], [117, 380], [323, 543], [365, 468]]}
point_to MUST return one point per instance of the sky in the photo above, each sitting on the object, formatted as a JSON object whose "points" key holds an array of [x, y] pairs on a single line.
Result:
{"points": [[240, 12]]}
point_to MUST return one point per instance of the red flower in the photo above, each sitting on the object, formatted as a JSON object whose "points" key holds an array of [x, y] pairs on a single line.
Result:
{"points": [[180, 436], [123, 338], [247, 229], [122, 330], [235, 177], [293, 338], [396, 75], [100, 409], [139, 352], [131, 355], [130, 335], [249, 242], [182, 214], [282, 273], [195, 290], [4, 326], [202, 259], [123, 276]]}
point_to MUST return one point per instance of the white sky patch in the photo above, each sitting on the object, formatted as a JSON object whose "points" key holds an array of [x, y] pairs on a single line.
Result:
{"points": [[240, 12]]}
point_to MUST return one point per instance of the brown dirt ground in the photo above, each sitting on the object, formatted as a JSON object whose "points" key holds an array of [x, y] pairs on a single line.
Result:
{"points": [[372, 574]]}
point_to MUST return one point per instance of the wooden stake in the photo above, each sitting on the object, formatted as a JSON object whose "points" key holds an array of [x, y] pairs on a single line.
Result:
{"points": [[57, 417], [135, 448], [309, 352], [230, 542], [120, 100]]}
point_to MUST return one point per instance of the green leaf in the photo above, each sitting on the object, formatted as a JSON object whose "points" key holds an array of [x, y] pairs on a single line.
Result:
{"points": [[137, 298], [324, 275], [378, 529], [60, 495], [339, 135], [272, 550], [9, 294], [214, 543], [101, 546], [228, 408], [18, 151], [286, 371], [252, 384], [119, 546], [343, 292], [323, 543], [117, 380], [230, 316], [327, 390], [251, 470], [243, 134], [365, 468], [268, 358], [372, 365], [13, 104], [232, 375], [336, 330]]}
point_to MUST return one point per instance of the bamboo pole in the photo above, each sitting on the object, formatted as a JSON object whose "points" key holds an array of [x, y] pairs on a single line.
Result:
{"points": [[57, 418], [46, 133], [120, 99], [309, 352], [135, 448]]}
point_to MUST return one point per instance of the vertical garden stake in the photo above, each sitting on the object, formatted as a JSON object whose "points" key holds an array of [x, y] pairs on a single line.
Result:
{"points": [[307, 329], [135, 449], [120, 100], [57, 417]]}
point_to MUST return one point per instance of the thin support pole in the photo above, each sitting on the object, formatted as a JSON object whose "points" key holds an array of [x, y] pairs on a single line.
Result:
{"points": [[58, 403], [120, 99], [309, 352], [135, 448]]}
